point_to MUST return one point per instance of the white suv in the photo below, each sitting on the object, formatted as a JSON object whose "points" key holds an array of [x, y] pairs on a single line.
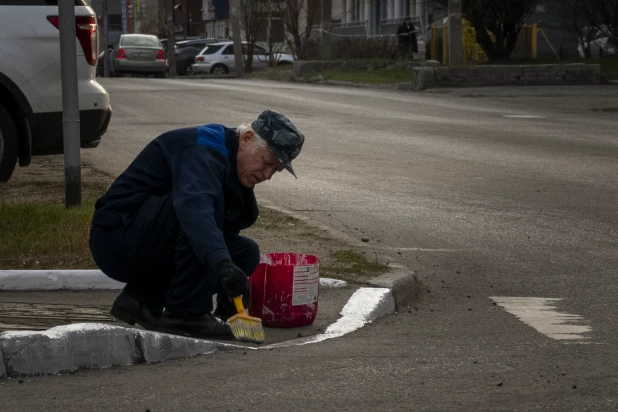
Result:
{"points": [[30, 83]]}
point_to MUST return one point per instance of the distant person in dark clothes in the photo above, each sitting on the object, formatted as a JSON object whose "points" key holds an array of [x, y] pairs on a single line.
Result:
{"points": [[406, 34], [169, 225]]}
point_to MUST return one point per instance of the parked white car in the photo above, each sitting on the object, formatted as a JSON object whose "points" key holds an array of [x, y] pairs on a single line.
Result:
{"points": [[30, 81], [218, 58]]}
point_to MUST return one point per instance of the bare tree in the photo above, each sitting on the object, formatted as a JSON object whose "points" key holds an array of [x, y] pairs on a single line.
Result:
{"points": [[293, 12], [153, 20], [504, 19], [607, 21], [253, 21], [275, 37], [580, 17]]}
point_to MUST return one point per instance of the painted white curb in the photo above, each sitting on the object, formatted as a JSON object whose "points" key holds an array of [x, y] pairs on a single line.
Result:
{"points": [[81, 280], [365, 306], [93, 346], [56, 280]]}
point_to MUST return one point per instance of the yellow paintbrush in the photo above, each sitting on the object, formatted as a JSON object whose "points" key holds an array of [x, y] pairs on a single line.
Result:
{"points": [[244, 327]]}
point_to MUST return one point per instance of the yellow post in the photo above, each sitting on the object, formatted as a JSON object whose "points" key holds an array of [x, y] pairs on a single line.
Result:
{"points": [[434, 43], [445, 44], [535, 41]]}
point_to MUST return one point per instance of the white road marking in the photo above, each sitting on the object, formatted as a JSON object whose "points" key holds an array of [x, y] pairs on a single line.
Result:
{"points": [[522, 116], [365, 306], [543, 316]]}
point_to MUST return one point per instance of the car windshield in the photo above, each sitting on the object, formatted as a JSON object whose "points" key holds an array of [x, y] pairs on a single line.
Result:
{"points": [[212, 49], [141, 41]]}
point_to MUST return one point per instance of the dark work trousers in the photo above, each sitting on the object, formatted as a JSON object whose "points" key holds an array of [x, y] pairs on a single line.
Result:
{"points": [[154, 258]]}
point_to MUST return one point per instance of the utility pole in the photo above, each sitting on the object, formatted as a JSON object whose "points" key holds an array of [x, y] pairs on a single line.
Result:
{"points": [[327, 19], [455, 33], [105, 39], [237, 38], [171, 40], [70, 105]]}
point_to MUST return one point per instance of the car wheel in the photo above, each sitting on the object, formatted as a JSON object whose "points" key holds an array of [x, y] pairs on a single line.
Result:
{"points": [[219, 69], [8, 144], [189, 69]]}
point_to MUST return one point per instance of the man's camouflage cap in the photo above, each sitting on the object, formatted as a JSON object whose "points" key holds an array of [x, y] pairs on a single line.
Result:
{"points": [[283, 138]]}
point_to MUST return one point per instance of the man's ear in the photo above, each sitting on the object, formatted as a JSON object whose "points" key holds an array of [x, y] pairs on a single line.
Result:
{"points": [[247, 138]]}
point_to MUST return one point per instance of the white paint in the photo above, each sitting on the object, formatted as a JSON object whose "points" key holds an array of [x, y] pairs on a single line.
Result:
{"points": [[523, 116], [365, 306], [332, 283], [543, 316], [56, 280], [81, 280]]}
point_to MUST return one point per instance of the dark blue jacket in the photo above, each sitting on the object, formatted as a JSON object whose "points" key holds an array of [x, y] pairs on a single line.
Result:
{"points": [[198, 165]]}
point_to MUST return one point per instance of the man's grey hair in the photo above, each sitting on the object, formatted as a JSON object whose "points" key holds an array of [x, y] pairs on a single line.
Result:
{"points": [[257, 140]]}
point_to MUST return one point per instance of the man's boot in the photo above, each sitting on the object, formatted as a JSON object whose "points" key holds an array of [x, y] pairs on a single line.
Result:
{"points": [[204, 326], [131, 311]]}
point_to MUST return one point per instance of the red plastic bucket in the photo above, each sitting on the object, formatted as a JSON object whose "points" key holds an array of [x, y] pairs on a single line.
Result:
{"points": [[284, 290]]}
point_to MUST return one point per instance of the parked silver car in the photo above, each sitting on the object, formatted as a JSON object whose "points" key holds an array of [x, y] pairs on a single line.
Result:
{"points": [[218, 58], [138, 53]]}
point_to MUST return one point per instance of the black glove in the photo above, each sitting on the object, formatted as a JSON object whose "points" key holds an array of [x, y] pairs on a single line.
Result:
{"points": [[232, 278]]}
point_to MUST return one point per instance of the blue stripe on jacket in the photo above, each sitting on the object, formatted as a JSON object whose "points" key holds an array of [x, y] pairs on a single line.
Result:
{"points": [[212, 135]]}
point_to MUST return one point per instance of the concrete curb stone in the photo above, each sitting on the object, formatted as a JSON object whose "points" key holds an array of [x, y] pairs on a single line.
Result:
{"points": [[62, 349], [2, 367], [92, 346], [403, 283]]}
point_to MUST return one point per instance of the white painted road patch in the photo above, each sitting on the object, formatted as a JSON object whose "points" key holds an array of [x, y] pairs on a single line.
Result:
{"points": [[522, 116], [543, 316]]}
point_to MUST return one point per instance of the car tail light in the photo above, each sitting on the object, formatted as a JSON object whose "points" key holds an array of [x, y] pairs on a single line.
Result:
{"points": [[121, 54], [200, 58], [161, 55], [86, 32]]}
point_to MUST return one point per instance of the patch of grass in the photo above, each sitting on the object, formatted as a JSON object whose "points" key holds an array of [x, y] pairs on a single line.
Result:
{"points": [[283, 72], [351, 266], [43, 234], [271, 220], [373, 77]]}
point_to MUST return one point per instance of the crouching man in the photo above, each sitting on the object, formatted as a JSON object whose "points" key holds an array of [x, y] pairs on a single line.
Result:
{"points": [[169, 225]]}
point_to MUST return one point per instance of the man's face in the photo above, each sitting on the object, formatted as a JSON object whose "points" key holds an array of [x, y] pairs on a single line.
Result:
{"points": [[255, 164]]}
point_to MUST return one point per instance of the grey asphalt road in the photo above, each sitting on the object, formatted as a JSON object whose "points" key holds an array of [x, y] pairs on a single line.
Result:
{"points": [[502, 192]]}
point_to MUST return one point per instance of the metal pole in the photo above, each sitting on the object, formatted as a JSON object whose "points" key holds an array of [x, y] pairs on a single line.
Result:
{"points": [[327, 18], [186, 19], [70, 104], [171, 40], [105, 39], [455, 34], [236, 37]]}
